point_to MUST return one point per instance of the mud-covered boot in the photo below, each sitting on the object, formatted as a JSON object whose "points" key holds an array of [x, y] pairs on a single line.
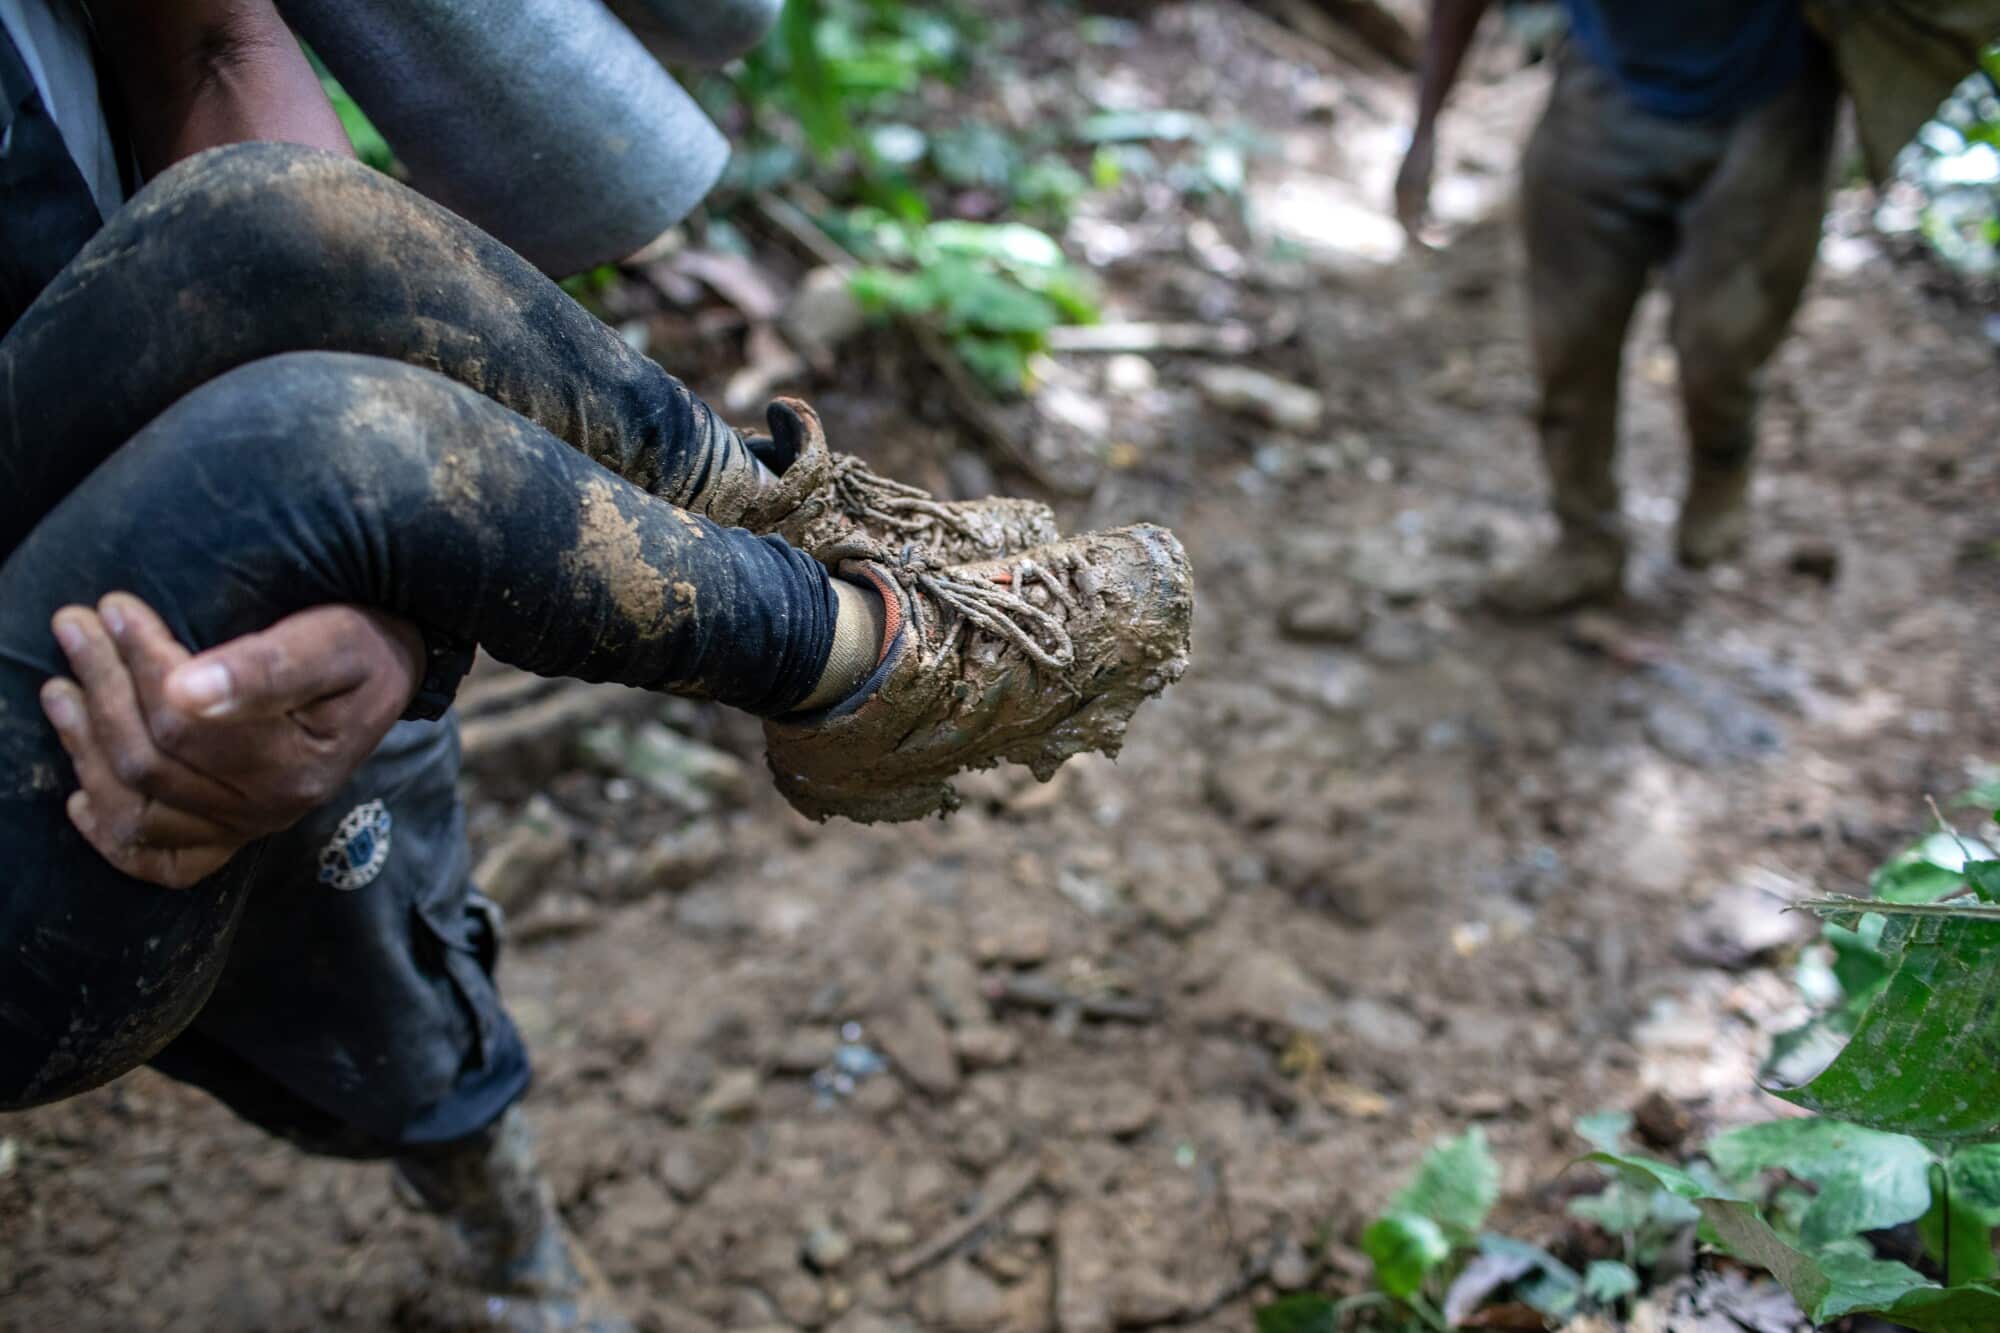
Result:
{"points": [[1033, 658], [529, 1274], [1579, 569], [1715, 517], [823, 499]]}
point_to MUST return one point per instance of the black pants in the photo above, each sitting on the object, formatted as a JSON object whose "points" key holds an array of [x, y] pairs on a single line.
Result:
{"points": [[158, 439]]}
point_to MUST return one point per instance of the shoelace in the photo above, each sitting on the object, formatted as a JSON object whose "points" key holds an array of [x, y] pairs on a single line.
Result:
{"points": [[998, 608], [861, 492]]}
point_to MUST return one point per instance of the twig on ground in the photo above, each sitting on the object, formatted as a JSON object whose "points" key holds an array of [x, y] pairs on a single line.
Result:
{"points": [[1033, 992], [1002, 1188]]}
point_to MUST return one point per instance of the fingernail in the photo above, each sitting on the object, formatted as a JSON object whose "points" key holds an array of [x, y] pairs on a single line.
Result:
{"points": [[80, 814], [208, 688], [69, 634], [114, 619], [61, 708]]}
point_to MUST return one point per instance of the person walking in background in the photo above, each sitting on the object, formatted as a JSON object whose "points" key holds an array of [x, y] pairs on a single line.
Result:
{"points": [[1692, 140]]}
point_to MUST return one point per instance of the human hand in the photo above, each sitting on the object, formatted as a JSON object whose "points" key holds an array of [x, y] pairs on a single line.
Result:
{"points": [[1413, 183], [182, 759]]}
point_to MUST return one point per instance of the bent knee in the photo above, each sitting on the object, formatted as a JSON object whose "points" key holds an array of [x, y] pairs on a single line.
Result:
{"points": [[261, 202]]}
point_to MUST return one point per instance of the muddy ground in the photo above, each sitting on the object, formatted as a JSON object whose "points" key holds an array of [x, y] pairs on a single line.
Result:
{"points": [[1382, 866]]}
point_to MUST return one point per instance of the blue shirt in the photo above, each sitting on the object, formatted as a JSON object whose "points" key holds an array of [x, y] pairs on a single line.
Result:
{"points": [[1694, 59]]}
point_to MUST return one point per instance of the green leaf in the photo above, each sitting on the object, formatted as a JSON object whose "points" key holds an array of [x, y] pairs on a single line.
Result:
{"points": [[1984, 877], [999, 362], [1405, 1248], [1841, 1279], [1868, 1180], [1604, 1130], [1013, 243], [1456, 1185], [810, 81], [1921, 1058], [1301, 1312], [1975, 1180], [975, 155], [1607, 1280]]}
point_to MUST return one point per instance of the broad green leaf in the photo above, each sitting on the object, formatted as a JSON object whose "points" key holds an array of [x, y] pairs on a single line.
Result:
{"points": [[985, 302], [1867, 1179], [1604, 1130], [1984, 877], [1841, 1279], [1405, 1248], [1975, 1179], [1007, 242], [809, 80], [1620, 1210], [1966, 1252], [1607, 1280], [1921, 1059], [1456, 1185], [1301, 1312], [975, 154]]}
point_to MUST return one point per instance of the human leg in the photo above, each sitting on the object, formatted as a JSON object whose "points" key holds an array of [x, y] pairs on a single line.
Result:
{"points": [[322, 478], [259, 249], [1749, 236], [1595, 206]]}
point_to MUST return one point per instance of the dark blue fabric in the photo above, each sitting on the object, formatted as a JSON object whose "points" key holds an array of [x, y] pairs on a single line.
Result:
{"points": [[1697, 59], [49, 213]]}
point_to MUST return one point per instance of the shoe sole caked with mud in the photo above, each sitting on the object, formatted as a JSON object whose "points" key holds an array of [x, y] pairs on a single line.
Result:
{"points": [[1034, 658]]}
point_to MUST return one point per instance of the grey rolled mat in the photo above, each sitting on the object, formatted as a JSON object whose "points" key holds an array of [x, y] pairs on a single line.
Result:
{"points": [[545, 122]]}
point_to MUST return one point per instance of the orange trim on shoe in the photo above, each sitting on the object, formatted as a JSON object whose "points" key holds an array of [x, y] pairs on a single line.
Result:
{"points": [[892, 610]]}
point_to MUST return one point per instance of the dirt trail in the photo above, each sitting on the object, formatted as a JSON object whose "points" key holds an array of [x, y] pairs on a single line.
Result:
{"points": [[1379, 867]]}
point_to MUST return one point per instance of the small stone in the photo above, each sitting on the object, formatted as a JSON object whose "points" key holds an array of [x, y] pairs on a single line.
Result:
{"points": [[688, 1167], [1177, 883], [1118, 1110], [1334, 614], [673, 861], [826, 1248], [1280, 403], [635, 1208], [1267, 989], [523, 863], [961, 1299], [1381, 1025], [1399, 641], [800, 1300], [952, 982], [805, 1050], [920, 1047], [983, 1143], [986, 1047], [1129, 374], [1022, 942], [1035, 1219], [822, 314], [732, 1097]]}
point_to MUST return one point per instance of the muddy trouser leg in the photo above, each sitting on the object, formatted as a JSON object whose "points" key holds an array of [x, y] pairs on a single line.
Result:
{"points": [[1596, 210], [303, 480], [253, 250], [1748, 240]]}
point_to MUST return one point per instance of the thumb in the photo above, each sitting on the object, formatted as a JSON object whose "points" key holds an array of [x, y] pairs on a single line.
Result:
{"points": [[266, 674]]}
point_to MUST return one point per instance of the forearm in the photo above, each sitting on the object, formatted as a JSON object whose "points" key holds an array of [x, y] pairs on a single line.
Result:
{"points": [[197, 74], [1453, 22]]}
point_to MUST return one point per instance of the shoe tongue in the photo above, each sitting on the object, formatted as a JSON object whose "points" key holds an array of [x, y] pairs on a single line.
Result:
{"points": [[795, 431]]}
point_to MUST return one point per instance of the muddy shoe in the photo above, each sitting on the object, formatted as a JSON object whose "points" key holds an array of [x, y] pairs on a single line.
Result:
{"points": [[1715, 518], [1573, 572], [1032, 658], [527, 1273], [823, 499]]}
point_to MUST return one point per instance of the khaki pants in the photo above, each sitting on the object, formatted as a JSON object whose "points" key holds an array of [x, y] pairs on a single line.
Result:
{"points": [[1729, 209]]}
